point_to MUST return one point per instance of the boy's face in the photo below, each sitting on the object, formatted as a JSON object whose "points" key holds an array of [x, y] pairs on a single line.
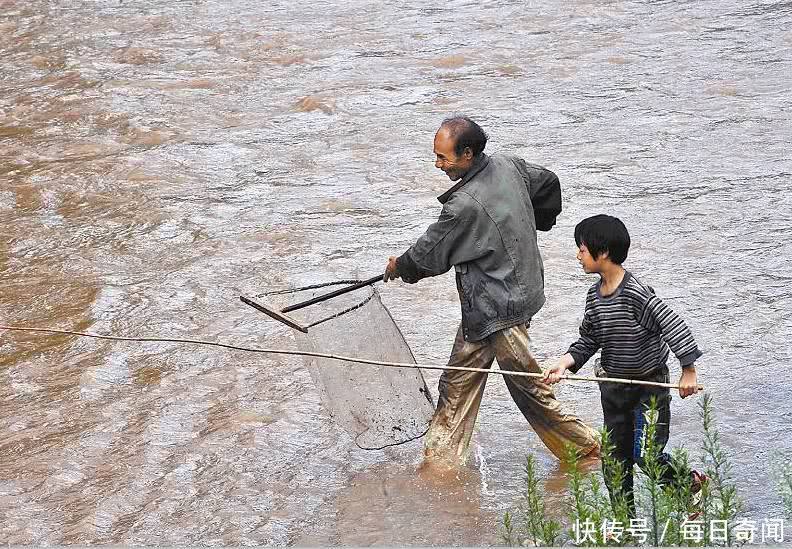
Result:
{"points": [[587, 261]]}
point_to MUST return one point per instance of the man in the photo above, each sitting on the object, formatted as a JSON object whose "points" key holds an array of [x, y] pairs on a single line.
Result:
{"points": [[487, 232]]}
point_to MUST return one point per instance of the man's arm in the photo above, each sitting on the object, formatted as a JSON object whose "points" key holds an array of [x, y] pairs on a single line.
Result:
{"points": [[544, 190], [445, 243]]}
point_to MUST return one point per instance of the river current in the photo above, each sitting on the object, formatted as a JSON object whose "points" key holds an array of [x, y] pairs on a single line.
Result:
{"points": [[159, 158]]}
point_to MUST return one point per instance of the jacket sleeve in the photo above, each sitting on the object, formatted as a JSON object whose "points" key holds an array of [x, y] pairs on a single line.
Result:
{"points": [[586, 346], [544, 189], [656, 316], [446, 242]]}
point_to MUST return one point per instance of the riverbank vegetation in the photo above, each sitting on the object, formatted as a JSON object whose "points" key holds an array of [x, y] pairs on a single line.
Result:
{"points": [[664, 515]]}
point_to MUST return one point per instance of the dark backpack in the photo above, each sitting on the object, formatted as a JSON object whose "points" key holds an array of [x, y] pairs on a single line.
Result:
{"points": [[545, 190]]}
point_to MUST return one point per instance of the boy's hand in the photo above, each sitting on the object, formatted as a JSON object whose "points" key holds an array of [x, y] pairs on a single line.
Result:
{"points": [[554, 374], [688, 382]]}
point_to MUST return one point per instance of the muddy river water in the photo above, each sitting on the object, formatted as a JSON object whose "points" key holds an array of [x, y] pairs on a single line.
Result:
{"points": [[159, 158]]}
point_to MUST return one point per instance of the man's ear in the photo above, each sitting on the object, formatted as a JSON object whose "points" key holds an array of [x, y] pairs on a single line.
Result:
{"points": [[467, 154]]}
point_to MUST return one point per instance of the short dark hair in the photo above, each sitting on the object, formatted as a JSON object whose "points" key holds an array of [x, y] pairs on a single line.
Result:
{"points": [[604, 233], [466, 134]]}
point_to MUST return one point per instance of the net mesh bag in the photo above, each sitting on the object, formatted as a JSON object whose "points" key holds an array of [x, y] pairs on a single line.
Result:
{"points": [[378, 406]]}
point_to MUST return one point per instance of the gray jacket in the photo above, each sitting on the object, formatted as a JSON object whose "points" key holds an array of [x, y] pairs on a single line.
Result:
{"points": [[487, 231]]}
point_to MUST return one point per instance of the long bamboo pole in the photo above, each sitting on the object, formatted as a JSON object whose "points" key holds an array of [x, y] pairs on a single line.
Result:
{"points": [[341, 358]]}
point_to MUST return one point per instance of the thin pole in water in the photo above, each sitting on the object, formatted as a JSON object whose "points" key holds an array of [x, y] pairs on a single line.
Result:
{"points": [[341, 358]]}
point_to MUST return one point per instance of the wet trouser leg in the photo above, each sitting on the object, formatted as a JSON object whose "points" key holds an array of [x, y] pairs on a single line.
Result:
{"points": [[460, 397], [625, 410], [458, 401], [536, 400]]}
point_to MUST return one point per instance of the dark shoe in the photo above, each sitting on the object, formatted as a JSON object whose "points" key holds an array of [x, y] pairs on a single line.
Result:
{"points": [[699, 480]]}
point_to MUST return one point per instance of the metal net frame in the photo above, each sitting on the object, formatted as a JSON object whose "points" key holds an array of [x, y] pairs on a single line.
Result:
{"points": [[378, 407]]}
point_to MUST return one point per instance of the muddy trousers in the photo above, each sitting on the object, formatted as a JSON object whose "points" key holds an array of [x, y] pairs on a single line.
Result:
{"points": [[625, 410], [460, 395]]}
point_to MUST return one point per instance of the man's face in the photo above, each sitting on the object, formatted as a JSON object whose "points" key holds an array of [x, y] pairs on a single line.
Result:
{"points": [[455, 167]]}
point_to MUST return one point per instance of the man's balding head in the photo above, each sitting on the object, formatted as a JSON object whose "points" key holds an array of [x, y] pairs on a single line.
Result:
{"points": [[457, 143], [466, 134]]}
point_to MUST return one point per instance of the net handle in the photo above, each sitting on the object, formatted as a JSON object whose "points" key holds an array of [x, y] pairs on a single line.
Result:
{"points": [[336, 293]]}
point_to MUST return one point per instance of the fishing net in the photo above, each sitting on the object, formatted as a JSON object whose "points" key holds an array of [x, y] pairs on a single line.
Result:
{"points": [[378, 406]]}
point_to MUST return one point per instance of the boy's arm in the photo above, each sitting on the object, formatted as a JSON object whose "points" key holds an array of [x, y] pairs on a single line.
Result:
{"points": [[578, 354], [657, 316], [585, 347], [553, 375], [688, 381]]}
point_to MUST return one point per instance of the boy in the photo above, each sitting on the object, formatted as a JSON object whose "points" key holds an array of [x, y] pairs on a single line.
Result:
{"points": [[634, 329]]}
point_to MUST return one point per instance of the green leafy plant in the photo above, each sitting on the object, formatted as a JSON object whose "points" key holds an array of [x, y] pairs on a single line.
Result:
{"points": [[719, 498], [533, 526], [667, 507], [654, 471], [785, 488], [679, 498], [596, 514], [782, 473]]}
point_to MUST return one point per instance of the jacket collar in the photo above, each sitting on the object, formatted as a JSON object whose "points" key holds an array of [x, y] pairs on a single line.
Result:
{"points": [[478, 164]]}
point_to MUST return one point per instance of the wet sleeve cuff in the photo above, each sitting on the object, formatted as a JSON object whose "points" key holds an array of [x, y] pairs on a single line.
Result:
{"points": [[580, 361], [688, 359], [408, 270]]}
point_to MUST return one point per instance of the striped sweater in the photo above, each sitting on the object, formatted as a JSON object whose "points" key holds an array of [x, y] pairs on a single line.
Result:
{"points": [[634, 329]]}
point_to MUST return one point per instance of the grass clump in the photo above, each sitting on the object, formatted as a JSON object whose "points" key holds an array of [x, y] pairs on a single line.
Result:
{"points": [[720, 503], [530, 524], [658, 514], [782, 473]]}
